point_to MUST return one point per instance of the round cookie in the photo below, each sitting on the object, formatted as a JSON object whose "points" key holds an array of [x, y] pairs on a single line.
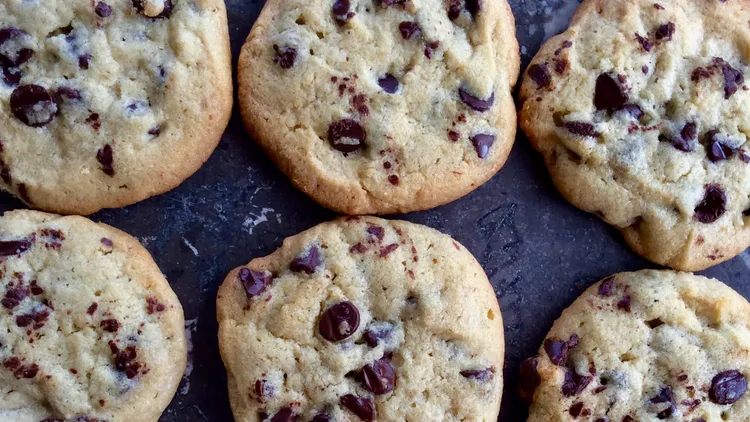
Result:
{"points": [[382, 106], [362, 319], [639, 111], [106, 103], [644, 346], [90, 330]]}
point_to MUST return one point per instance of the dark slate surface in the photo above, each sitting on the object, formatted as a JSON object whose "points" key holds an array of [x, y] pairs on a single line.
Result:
{"points": [[538, 250]]}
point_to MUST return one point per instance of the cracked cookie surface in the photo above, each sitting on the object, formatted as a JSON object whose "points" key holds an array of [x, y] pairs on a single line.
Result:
{"points": [[90, 329], [644, 346], [106, 103], [362, 319], [382, 106], [639, 111]]}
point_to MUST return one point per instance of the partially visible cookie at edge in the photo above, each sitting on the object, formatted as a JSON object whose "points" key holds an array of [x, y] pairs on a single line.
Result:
{"points": [[362, 319], [644, 346], [91, 330], [106, 103], [376, 107], [639, 111]]}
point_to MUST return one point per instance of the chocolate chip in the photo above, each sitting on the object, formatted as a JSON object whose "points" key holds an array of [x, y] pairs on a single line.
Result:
{"points": [[110, 325], [11, 75], [575, 409], [339, 321], [376, 231], [480, 375], [125, 359], [727, 387], [624, 304], [140, 6], [342, 12], [102, 10], [473, 6], [573, 383], [475, 103], [654, 323], [284, 415], [528, 379], [665, 32], [539, 73], [306, 263], [33, 105], [665, 396], [363, 407], [689, 132], [285, 56], [454, 9], [644, 42], [376, 332], [92, 309], [378, 377], [610, 92], [84, 60], [408, 29], [14, 296], [14, 247], [389, 83], [11, 56], [733, 79], [712, 206], [321, 417], [608, 286], [105, 157], [581, 129], [430, 47], [454, 136], [716, 150], [482, 144], [254, 282], [700, 73], [346, 135], [557, 350], [386, 250]]}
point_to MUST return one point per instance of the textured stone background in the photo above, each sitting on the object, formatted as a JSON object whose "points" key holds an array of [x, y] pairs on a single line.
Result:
{"points": [[538, 251]]}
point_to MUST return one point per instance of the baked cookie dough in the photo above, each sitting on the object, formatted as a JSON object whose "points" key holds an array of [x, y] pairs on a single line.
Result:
{"points": [[382, 106], [362, 319]]}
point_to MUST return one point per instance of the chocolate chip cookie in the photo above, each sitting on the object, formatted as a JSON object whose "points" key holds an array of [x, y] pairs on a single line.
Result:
{"points": [[106, 103], [639, 110], [644, 346], [382, 106], [90, 331], [362, 319]]}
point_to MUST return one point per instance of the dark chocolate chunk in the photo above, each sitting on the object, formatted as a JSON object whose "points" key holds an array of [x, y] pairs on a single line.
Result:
{"points": [[712, 206], [14, 247], [110, 325], [644, 42], [475, 103], [482, 144], [254, 282], [389, 83], [454, 9], [378, 377], [480, 375], [727, 387], [102, 9], [573, 383], [376, 332], [105, 157], [581, 129], [733, 79], [408, 29], [14, 57], [557, 350], [339, 321], [342, 12], [665, 32], [610, 92], [539, 73], [33, 105], [528, 379], [473, 6], [284, 415], [665, 396], [363, 407], [285, 56], [430, 47], [624, 304], [306, 263], [608, 286], [346, 135], [321, 417]]}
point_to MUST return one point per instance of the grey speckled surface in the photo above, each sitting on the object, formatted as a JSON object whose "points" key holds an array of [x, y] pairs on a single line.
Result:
{"points": [[538, 250]]}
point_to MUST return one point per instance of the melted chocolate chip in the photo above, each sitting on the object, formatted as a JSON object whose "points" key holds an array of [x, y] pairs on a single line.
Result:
{"points": [[285, 56], [712, 206], [140, 6], [608, 286], [363, 407], [14, 247], [254, 282], [339, 321], [557, 350], [284, 415], [12, 57], [482, 144], [475, 103], [581, 129], [574, 384], [389, 83], [610, 92], [378, 377], [33, 105], [665, 32], [408, 29], [575, 409], [105, 157], [528, 379], [733, 79], [306, 263], [624, 304], [480, 375], [376, 332], [102, 10], [346, 135], [727, 387], [342, 12], [539, 73]]}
